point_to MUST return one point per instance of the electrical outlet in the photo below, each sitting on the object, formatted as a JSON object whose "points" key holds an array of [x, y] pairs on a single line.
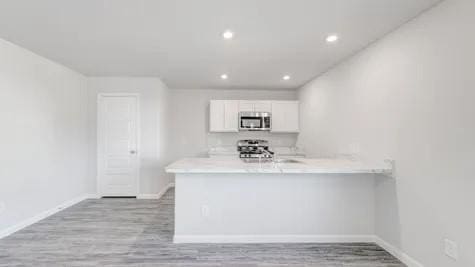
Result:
{"points": [[3, 207], [204, 210], [451, 249]]}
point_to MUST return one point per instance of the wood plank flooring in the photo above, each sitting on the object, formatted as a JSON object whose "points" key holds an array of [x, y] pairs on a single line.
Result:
{"points": [[131, 232]]}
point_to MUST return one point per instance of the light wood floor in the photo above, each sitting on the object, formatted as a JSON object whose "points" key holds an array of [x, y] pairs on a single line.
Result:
{"points": [[130, 232]]}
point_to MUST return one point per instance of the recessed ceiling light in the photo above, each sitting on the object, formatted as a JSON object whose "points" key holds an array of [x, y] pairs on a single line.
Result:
{"points": [[332, 38], [224, 76], [286, 77], [228, 34]]}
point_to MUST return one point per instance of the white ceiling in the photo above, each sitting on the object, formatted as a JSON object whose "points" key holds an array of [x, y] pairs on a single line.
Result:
{"points": [[181, 40]]}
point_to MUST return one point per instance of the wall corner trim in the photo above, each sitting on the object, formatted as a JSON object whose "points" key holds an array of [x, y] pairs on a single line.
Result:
{"points": [[156, 196], [398, 253], [93, 196]]}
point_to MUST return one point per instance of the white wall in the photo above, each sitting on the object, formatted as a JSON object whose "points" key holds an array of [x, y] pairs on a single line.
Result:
{"points": [[42, 135], [409, 97], [190, 120], [283, 207], [154, 127]]}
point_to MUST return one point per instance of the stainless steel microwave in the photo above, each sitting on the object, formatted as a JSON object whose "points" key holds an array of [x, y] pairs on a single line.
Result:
{"points": [[254, 121]]}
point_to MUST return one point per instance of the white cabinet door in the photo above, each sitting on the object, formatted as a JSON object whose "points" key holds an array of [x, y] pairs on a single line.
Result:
{"points": [[256, 106], [216, 115], [231, 115], [263, 106], [246, 105], [285, 116], [223, 116]]}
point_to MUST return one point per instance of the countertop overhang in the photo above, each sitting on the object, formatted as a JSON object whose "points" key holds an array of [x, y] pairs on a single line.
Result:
{"points": [[304, 166]]}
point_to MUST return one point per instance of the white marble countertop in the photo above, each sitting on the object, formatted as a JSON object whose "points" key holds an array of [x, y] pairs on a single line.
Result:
{"points": [[304, 165]]}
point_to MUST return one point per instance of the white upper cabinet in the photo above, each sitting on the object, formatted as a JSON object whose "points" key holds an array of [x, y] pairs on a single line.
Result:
{"points": [[263, 106], [223, 115], [285, 116], [256, 106], [246, 105]]}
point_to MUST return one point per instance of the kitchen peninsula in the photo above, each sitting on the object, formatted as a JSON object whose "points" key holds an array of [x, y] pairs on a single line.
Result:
{"points": [[226, 200]]}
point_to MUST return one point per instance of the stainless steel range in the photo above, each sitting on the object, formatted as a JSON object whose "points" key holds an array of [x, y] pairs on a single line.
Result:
{"points": [[254, 150]]}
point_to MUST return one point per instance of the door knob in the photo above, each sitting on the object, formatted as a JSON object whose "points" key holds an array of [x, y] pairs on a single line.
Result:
{"points": [[133, 151]]}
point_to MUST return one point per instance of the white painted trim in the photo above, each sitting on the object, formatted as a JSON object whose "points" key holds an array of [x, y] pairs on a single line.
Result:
{"points": [[117, 94], [25, 223], [165, 189], [273, 238], [10, 230], [398, 253], [148, 196], [92, 196], [156, 196]]}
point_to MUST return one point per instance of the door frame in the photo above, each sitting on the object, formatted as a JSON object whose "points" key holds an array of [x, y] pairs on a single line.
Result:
{"points": [[101, 96]]}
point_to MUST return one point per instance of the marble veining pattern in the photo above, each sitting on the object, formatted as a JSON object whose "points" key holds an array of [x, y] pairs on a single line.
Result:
{"points": [[304, 165], [131, 232]]}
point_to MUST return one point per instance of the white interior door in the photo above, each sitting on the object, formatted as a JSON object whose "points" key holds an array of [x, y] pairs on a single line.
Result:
{"points": [[117, 132]]}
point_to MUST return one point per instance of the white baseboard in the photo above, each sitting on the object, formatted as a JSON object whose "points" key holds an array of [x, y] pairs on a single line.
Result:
{"points": [[93, 196], [273, 238], [399, 254], [156, 196], [148, 196], [396, 252], [12, 229]]}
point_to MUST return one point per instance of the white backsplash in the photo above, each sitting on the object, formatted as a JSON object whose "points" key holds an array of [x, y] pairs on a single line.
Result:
{"points": [[230, 139]]}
